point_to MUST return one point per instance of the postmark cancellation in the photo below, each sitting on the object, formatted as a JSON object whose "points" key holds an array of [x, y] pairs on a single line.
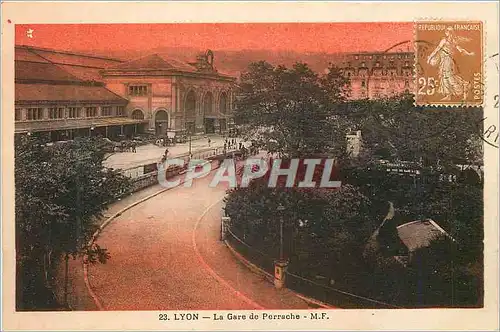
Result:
{"points": [[449, 63]]}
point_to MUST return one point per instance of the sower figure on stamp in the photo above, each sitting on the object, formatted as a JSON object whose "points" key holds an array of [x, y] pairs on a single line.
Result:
{"points": [[450, 83]]}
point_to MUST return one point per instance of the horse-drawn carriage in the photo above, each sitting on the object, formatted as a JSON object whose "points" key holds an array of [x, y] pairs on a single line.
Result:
{"points": [[122, 146]]}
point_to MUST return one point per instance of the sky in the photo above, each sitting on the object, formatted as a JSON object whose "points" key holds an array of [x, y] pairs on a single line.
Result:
{"points": [[299, 37]]}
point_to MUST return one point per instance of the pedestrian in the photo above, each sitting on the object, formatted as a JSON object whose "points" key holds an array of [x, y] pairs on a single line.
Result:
{"points": [[240, 146], [225, 147], [134, 145], [209, 141], [166, 152]]}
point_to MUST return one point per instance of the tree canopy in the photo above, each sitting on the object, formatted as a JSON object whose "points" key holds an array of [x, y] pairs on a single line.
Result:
{"points": [[394, 128], [288, 110], [61, 191]]}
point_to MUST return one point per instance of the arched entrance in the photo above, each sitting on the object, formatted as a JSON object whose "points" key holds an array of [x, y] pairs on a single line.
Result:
{"points": [[190, 111], [222, 110], [137, 115], [209, 121], [161, 122]]}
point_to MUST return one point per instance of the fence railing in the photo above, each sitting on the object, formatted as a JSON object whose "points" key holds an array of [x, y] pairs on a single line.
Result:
{"points": [[147, 175], [259, 258], [294, 281], [333, 296]]}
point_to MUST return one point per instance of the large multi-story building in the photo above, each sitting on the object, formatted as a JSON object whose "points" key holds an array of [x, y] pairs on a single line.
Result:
{"points": [[173, 94], [376, 75], [65, 95]]}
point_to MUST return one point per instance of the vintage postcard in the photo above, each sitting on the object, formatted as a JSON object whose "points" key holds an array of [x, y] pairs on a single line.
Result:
{"points": [[250, 166]]}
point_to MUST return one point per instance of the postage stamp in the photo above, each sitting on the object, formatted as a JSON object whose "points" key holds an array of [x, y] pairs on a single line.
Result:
{"points": [[449, 63], [249, 166]]}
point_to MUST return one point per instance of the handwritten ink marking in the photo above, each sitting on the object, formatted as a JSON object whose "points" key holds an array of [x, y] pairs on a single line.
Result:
{"points": [[29, 33]]}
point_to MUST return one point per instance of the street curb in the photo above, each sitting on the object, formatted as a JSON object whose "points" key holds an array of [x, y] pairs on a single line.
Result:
{"points": [[269, 277], [106, 223]]}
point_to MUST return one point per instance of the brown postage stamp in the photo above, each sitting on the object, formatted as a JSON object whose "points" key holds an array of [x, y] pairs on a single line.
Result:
{"points": [[449, 66]]}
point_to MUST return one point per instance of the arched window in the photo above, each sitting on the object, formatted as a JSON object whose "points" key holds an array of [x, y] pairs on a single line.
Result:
{"points": [[137, 115], [190, 106], [223, 103], [207, 103]]}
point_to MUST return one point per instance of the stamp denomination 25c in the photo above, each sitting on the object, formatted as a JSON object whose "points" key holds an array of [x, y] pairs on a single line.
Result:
{"points": [[449, 63]]}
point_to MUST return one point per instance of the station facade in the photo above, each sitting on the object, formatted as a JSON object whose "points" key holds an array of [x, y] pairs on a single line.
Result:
{"points": [[171, 94]]}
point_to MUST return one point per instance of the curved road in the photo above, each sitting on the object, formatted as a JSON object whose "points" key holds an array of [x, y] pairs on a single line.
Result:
{"points": [[166, 255]]}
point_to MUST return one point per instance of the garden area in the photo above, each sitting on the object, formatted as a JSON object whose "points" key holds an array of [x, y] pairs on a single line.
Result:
{"points": [[296, 113]]}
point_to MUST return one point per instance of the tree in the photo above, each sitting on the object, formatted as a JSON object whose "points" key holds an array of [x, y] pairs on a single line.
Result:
{"points": [[61, 191], [439, 137], [324, 230], [288, 111]]}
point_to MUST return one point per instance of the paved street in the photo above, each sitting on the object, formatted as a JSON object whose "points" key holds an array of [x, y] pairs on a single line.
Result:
{"points": [[152, 153], [166, 254]]}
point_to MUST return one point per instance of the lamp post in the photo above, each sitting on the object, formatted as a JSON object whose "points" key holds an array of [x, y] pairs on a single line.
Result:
{"points": [[189, 134], [280, 265], [280, 210]]}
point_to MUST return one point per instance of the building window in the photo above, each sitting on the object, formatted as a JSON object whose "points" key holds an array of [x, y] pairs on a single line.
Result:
{"points": [[391, 63], [137, 115], [90, 112], [377, 64], [35, 114], [363, 64], [371, 57], [407, 64], [56, 113], [106, 111], [385, 56], [17, 114], [120, 110], [363, 83], [356, 57], [407, 83], [138, 90], [74, 112]]}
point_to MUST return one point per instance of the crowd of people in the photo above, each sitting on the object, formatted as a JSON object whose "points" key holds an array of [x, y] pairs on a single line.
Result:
{"points": [[229, 144]]}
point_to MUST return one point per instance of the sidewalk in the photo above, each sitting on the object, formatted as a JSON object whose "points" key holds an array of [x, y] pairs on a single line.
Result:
{"points": [[152, 153], [223, 262]]}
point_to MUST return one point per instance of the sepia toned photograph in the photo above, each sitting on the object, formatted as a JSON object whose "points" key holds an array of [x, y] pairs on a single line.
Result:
{"points": [[204, 174], [96, 122]]}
